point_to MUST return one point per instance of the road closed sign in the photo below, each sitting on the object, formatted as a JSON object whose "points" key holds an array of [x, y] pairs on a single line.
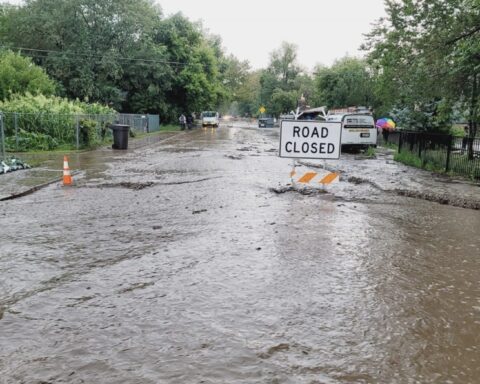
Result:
{"points": [[310, 139]]}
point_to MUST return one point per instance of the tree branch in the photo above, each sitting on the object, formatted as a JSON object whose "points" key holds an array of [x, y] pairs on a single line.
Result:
{"points": [[463, 36]]}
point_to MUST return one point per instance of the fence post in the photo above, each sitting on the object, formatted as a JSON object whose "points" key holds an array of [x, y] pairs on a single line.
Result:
{"points": [[78, 131], [420, 142], [15, 123], [449, 150], [2, 132], [400, 142]]}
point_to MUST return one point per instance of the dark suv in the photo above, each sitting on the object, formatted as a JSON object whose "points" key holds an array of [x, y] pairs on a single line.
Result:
{"points": [[265, 122]]}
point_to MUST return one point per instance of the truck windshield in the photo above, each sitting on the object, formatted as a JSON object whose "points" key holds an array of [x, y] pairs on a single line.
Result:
{"points": [[209, 114]]}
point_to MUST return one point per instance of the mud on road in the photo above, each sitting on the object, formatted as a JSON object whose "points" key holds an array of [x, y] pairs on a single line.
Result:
{"points": [[180, 263]]}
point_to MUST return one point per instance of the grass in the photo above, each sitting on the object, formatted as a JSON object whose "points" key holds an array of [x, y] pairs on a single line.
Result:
{"points": [[435, 161], [408, 158], [390, 145], [371, 152], [169, 128]]}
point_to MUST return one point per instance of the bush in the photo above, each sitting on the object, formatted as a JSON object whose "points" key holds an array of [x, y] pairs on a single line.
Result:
{"points": [[30, 141], [88, 133], [54, 117]]}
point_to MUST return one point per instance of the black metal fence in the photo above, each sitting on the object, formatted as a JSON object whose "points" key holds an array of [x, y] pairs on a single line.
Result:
{"points": [[440, 152], [388, 137]]}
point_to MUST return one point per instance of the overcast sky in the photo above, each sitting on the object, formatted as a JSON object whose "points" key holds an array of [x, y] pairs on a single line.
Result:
{"points": [[323, 30]]}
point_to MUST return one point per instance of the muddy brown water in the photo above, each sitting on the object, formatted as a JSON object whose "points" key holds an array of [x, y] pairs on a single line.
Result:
{"points": [[178, 264]]}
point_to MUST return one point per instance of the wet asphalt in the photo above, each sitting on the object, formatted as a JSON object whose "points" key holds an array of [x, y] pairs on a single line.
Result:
{"points": [[192, 260]]}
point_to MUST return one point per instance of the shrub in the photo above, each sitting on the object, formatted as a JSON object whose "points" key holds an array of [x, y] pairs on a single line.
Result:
{"points": [[54, 116], [31, 141], [88, 133]]}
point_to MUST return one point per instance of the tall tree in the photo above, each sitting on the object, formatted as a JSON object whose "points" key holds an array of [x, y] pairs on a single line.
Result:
{"points": [[347, 82], [18, 75], [426, 54], [121, 53], [196, 84], [283, 64], [282, 82], [85, 44]]}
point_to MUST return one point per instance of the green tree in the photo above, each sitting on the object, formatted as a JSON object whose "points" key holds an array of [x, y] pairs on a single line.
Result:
{"points": [[89, 46], [283, 81], [196, 84], [426, 57], [248, 94], [233, 74], [283, 101], [18, 75], [347, 82], [283, 64], [122, 53]]}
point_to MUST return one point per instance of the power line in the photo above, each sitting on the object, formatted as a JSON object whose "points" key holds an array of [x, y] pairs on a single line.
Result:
{"points": [[34, 50]]}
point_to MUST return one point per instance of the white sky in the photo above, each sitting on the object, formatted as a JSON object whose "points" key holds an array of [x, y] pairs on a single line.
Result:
{"points": [[323, 30]]}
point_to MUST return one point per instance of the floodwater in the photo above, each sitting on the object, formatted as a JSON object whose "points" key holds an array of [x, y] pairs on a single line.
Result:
{"points": [[178, 263]]}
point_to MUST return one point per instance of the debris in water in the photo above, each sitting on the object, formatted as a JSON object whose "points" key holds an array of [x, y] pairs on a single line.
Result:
{"points": [[234, 157], [12, 164]]}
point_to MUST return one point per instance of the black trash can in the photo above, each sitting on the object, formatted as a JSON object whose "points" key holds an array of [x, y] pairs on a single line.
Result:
{"points": [[120, 135]]}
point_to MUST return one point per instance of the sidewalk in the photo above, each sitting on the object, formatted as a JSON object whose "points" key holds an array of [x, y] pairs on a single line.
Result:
{"points": [[47, 167]]}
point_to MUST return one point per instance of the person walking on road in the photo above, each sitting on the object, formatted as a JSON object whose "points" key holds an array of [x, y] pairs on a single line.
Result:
{"points": [[183, 121], [189, 121]]}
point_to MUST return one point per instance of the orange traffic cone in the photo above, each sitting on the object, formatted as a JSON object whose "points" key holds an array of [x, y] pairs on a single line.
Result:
{"points": [[67, 177]]}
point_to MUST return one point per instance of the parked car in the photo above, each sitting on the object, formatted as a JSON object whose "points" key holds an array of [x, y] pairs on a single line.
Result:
{"points": [[266, 122]]}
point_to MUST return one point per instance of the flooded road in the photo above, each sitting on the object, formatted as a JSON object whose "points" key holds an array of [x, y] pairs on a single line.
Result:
{"points": [[177, 263]]}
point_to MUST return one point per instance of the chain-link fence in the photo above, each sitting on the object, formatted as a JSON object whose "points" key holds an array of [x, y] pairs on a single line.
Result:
{"points": [[47, 131]]}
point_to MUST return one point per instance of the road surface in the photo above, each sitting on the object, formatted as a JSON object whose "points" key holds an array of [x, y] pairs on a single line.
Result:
{"points": [[192, 261]]}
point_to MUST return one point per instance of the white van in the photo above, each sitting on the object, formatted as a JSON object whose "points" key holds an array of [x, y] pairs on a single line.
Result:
{"points": [[210, 118], [358, 129]]}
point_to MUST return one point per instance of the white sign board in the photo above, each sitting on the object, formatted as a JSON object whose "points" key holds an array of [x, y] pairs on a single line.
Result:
{"points": [[307, 139]]}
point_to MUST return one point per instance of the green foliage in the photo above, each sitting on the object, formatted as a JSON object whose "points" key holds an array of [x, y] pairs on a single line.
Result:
{"points": [[248, 95], [371, 152], [88, 133], [431, 160], [53, 117], [424, 56], [282, 83], [28, 141], [408, 158], [123, 54], [283, 64], [347, 82], [18, 75], [283, 101], [169, 128]]}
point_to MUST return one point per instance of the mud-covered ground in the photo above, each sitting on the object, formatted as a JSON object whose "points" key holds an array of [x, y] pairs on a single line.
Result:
{"points": [[193, 261]]}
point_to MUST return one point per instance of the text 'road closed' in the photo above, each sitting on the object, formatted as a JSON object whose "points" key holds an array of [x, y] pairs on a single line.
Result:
{"points": [[310, 139]]}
